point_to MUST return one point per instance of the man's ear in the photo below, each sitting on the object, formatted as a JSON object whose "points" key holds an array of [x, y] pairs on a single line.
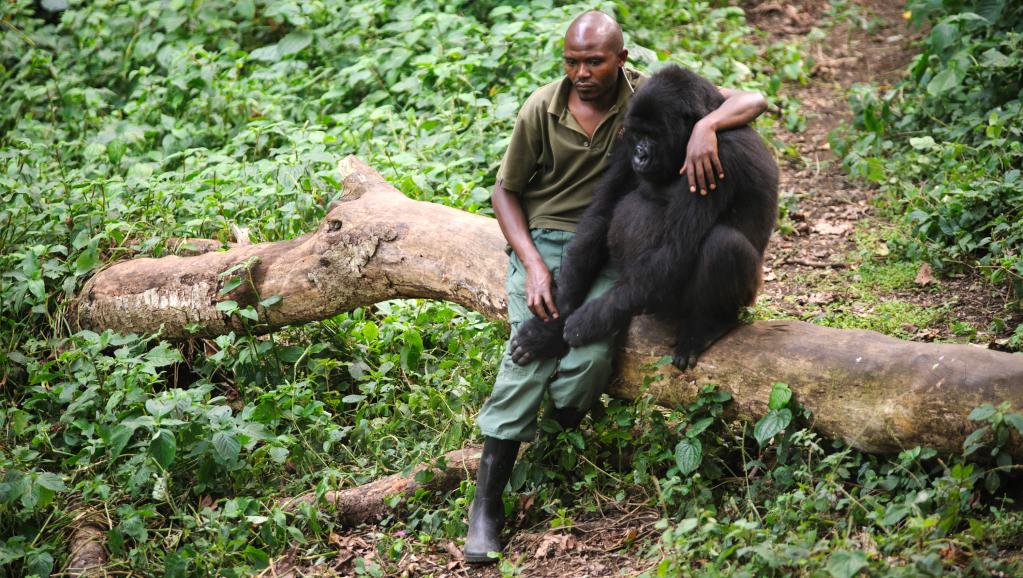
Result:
{"points": [[622, 57]]}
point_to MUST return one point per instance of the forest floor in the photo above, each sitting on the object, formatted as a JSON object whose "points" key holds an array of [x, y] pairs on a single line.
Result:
{"points": [[828, 267]]}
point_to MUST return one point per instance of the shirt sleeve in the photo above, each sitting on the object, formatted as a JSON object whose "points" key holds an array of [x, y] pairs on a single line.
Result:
{"points": [[523, 153]]}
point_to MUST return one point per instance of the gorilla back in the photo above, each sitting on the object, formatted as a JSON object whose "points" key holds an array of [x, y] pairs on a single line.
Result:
{"points": [[690, 259]]}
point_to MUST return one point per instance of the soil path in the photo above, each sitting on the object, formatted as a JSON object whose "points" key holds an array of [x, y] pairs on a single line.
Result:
{"points": [[806, 272], [834, 228]]}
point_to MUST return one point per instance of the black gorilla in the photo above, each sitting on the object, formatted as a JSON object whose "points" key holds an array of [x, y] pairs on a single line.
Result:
{"points": [[691, 259]]}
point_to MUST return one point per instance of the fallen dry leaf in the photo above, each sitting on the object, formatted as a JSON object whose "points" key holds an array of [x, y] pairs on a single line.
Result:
{"points": [[924, 275], [556, 544], [832, 228], [454, 551]]}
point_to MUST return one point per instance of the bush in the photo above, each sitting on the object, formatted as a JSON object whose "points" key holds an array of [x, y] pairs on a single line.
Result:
{"points": [[946, 144]]}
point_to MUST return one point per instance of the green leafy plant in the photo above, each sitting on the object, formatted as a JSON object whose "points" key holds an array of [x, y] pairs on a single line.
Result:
{"points": [[945, 144]]}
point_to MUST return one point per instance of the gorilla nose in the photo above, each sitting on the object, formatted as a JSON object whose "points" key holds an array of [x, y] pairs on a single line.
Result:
{"points": [[641, 156]]}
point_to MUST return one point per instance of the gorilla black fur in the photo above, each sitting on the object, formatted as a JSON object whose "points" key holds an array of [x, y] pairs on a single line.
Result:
{"points": [[690, 259]]}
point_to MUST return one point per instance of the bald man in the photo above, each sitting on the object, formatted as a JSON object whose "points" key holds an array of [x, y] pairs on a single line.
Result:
{"points": [[559, 148]]}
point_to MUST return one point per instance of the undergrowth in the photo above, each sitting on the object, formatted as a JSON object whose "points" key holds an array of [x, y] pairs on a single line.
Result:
{"points": [[944, 145], [128, 123]]}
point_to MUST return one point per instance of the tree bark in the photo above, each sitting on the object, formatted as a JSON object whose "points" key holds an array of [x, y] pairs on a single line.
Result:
{"points": [[87, 552], [877, 393]]}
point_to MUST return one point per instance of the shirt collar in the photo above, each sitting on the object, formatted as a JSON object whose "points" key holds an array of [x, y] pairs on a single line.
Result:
{"points": [[559, 104]]}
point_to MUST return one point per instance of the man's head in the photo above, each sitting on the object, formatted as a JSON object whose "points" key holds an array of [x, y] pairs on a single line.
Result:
{"points": [[594, 52]]}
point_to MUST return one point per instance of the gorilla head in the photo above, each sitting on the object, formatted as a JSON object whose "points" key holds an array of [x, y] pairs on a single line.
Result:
{"points": [[661, 118]]}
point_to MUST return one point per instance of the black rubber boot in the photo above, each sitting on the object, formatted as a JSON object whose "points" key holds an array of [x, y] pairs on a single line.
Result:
{"points": [[567, 417], [486, 515]]}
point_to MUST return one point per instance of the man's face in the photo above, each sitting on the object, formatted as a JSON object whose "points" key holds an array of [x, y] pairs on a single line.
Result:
{"points": [[591, 67]]}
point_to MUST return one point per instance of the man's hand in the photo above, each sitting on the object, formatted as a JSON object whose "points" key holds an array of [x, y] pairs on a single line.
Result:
{"points": [[540, 291], [702, 166]]}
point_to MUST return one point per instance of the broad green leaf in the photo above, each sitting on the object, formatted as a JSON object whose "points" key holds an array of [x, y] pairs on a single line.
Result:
{"points": [[257, 558], [992, 481], [843, 564], [227, 447], [163, 448], [54, 5], [942, 36], [279, 454], [771, 425], [974, 441], [922, 143], [246, 9], [780, 395], [688, 455], [698, 427], [982, 412], [875, 170], [231, 285], [39, 563], [266, 54], [944, 81], [1015, 420], [119, 438], [86, 261], [993, 57], [270, 301], [51, 481], [37, 288], [162, 355], [294, 42], [159, 407], [895, 514], [991, 10], [353, 398]]}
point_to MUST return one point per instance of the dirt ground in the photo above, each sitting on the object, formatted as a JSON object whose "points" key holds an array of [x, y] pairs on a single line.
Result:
{"points": [[873, 45]]}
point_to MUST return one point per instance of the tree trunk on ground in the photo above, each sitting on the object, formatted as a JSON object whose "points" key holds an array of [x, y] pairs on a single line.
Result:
{"points": [[87, 552], [369, 502], [877, 393]]}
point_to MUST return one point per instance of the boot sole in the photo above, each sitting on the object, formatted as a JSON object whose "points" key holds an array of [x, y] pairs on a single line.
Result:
{"points": [[478, 558]]}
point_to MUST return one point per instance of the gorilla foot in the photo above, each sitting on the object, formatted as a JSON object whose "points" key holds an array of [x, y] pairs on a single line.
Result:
{"points": [[691, 344], [538, 339], [585, 326]]}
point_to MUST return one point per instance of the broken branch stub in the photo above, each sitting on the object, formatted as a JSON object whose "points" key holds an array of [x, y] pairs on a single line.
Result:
{"points": [[877, 393]]}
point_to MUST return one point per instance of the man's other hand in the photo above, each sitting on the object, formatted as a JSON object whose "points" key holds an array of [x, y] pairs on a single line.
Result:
{"points": [[702, 166], [540, 292]]}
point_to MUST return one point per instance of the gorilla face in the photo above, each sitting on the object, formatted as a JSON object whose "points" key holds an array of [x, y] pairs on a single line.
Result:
{"points": [[657, 150], [659, 123]]}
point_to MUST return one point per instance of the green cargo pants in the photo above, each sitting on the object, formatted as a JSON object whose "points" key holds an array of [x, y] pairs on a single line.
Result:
{"points": [[574, 381]]}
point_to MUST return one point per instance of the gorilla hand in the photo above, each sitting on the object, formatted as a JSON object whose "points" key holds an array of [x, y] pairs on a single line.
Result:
{"points": [[538, 339]]}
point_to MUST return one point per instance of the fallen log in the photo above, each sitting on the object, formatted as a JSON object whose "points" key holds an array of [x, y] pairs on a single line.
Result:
{"points": [[877, 393], [87, 552], [371, 502]]}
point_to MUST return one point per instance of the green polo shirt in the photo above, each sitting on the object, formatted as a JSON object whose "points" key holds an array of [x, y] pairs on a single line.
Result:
{"points": [[550, 162]]}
